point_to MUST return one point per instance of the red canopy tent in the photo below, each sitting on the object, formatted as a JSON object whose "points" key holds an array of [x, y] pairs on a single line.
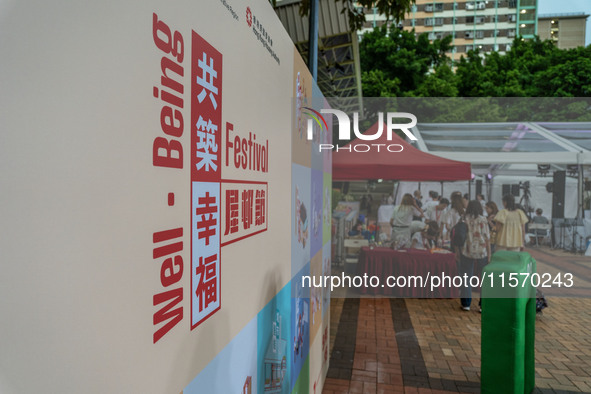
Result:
{"points": [[410, 164]]}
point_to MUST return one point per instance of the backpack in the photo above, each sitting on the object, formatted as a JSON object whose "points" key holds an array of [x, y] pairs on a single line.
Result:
{"points": [[541, 302], [458, 234]]}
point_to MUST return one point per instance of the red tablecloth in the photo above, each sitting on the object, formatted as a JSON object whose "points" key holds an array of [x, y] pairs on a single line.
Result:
{"points": [[385, 262]]}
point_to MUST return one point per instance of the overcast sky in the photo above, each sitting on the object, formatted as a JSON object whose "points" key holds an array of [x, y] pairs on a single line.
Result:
{"points": [[565, 6]]}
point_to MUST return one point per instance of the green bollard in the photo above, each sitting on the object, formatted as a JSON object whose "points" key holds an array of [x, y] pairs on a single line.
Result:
{"points": [[508, 324]]}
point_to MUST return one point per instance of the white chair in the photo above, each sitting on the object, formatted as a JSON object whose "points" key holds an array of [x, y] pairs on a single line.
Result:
{"points": [[539, 226], [352, 256]]}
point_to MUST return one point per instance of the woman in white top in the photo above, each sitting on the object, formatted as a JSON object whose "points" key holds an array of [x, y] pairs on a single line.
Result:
{"points": [[453, 215], [401, 220], [437, 213]]}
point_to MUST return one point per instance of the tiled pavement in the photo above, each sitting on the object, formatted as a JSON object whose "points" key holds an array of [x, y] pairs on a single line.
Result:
{"points": [[383, 345]]}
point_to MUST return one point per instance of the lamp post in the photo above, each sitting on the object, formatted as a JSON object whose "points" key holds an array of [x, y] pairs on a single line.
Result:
{"points": [[313, 39]]}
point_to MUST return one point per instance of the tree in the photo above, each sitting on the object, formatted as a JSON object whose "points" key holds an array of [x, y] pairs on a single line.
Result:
{"points": [[442, 82], [376, 84], [482, 88], [532, 68], [399, 55]]}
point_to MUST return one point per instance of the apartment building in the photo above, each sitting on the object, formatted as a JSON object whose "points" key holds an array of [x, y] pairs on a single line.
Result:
{"points": [[489, 25], [565, 30]]}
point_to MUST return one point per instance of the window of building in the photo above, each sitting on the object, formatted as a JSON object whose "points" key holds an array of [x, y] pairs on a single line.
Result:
{"points": [[511, 17], [479, 34], [511, 33], [475, 19], [437, 7], [433, 21], [469, 34]]}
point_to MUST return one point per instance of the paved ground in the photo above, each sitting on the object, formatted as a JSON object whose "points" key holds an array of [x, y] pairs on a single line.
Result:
{"points": [[383, 345]]}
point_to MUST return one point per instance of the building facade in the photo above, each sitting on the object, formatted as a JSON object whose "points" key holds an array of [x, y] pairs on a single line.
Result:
{"points": [[565, 30], [490, 25]]}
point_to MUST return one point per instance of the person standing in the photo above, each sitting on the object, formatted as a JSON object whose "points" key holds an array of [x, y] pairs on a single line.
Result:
{"points": [[480, 198], [369, 204], [465, 200], [437, 214], [432, 202], [510, 223], [476, 249], [453, 214], [492, 210], [401, 220]]}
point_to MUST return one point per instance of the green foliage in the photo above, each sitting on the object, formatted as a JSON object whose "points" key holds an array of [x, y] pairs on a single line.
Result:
{"points": [[442, 82], [396, 54], [531, 68], [394, 63], [376, 84]]}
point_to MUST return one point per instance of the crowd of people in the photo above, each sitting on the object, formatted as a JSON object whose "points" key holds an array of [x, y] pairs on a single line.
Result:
{"points": [[431, 224], [439, 215]]}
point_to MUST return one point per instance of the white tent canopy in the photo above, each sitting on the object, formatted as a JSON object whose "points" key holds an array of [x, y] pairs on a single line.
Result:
{"points": [[488, 144], [507, 153]]}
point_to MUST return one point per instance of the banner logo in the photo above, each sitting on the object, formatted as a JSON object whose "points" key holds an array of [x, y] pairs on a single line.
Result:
{"points": [[317, 117], [248, 17]]}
